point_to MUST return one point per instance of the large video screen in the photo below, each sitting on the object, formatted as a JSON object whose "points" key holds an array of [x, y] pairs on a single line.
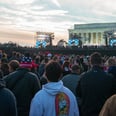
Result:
{"points": [[112, 41], [73, 42], [42, 39]]}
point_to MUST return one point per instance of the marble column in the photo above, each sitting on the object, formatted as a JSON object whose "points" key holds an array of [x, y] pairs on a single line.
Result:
{"points": [[99, 38], [87, 37], [91, 41]]}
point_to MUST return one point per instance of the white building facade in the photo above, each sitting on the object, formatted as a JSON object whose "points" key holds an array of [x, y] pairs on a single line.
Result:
{"points": [[92, 34]]}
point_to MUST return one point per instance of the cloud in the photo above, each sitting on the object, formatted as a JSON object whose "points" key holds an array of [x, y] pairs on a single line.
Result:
{"points": [[17, 2], [56, 3], [32, 18], [54, 15]]}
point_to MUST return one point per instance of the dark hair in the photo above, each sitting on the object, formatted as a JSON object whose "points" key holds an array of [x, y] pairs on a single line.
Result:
{"points": [[14, 53], [66, 64], [27, 54], [14, 64], [75, 67], [53, 71], [96, 58], [5, 68]]}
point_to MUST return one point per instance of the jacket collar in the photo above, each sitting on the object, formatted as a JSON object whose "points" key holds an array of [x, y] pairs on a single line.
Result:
{"points": [[96, 67]]}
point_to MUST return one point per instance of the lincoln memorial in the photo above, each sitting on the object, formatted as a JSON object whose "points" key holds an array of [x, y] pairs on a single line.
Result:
{"points": [[91, 34]]}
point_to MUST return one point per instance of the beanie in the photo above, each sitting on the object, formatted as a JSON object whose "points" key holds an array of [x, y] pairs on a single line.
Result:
{"points": [[26, 62]]}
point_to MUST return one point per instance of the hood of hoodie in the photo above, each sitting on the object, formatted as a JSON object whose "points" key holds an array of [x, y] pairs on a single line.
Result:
{"points": [[2, 83], [53, 87]]}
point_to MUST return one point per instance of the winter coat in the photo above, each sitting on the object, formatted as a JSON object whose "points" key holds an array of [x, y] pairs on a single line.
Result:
{"points": [[109, 108], [7, 101], [70, 81], [94, 87], [24, 85]]}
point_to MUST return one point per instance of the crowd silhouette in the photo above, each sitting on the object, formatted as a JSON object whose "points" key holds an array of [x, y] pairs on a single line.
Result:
{"points": [[53, 84]]}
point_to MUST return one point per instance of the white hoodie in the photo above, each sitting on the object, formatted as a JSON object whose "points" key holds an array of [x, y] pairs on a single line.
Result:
{"points": [[43, 103]]}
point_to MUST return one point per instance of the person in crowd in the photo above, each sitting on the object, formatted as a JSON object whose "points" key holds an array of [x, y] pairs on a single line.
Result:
{"points": [[55, 58], [13, 65], [4, 58], [109, 108], [41, 70], [54, 99], [5, 68], [24, 84], [112, 66], [66, 68], [42, 66], [1, 73], [13, 56], [18, 56], [4, 64], [78, 60], [94, 87], [0, 54], [70, 81], [84, 64], [7, 101]]}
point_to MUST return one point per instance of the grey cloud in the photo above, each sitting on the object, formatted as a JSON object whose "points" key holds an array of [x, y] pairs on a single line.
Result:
{"points": [[58, 14]]}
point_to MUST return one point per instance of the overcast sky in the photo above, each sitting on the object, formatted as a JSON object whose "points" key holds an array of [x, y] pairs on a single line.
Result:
{"points": [[20, 19]]}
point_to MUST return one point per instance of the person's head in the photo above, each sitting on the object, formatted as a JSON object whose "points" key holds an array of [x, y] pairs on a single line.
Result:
{"points": [[26, 62], [76, 69], [66, 64], [111, 62], [55, 58], [96, 59], [5, 68], [14, 53], [53, 71], [13, 65]]}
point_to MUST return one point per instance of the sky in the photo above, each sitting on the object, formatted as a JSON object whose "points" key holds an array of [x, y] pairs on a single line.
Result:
{"points": [[20, 19]]}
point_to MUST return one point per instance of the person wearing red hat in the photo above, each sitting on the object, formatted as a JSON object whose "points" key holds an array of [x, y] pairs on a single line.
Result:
{"points": [[24, 84]]}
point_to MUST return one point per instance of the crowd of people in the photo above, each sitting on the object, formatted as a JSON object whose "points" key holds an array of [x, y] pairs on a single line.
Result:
{"points": [[45, 84]]}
